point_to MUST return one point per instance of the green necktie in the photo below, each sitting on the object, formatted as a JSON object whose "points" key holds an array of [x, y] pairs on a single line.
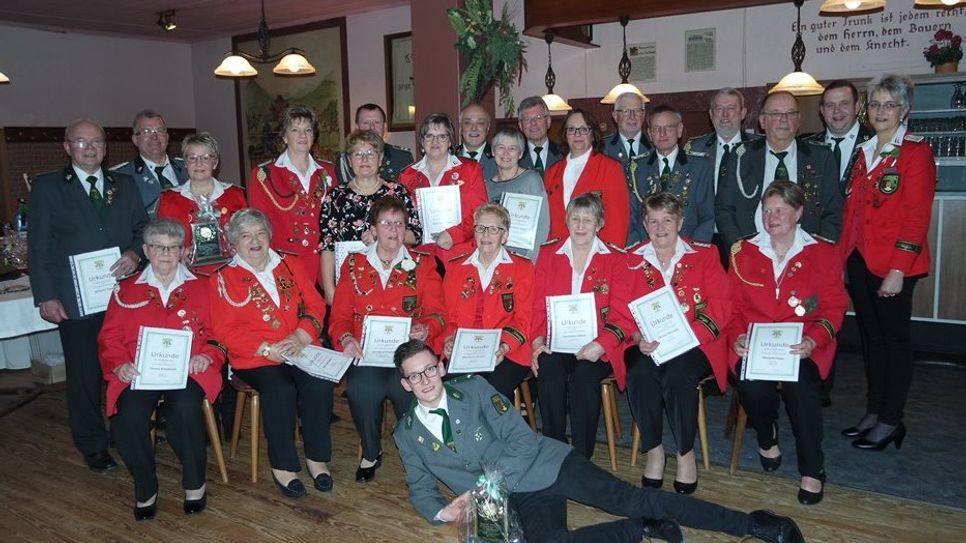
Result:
{"points": [[472, 154], [837, 151], [447, 429], [781, 171], [665, 174], [630, 146], [725, 157], [95, 195], [165, 184], [538, 163]]}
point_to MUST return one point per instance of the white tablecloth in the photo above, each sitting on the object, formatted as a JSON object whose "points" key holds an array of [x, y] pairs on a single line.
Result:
{"points": [[18, 320]]}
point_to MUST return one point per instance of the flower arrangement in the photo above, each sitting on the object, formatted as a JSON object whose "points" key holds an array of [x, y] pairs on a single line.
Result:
{"points": [[946, 47], [493, 49]]}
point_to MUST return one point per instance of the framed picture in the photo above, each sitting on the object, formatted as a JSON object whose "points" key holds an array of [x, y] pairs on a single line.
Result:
{"points": [[400, 101], [261, 100]]}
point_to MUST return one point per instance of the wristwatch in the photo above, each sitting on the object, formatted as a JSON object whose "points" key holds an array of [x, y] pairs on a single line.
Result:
{"points": [[266, 351]]}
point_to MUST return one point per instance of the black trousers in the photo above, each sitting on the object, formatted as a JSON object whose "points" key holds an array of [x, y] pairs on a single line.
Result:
{"points": [[290, 395], [803, 402], [366, 389], [885, 327], [570, 385], [673, 386], [84, 381], [506, 377], [185, 431], [544, 512]]}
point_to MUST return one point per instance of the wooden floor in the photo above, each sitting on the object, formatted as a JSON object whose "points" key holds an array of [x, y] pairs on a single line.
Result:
{"points": [[46, 494]]}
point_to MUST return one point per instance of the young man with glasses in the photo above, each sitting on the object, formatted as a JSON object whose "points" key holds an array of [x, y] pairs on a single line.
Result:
{"points": [[152, 169], [458, 426], [541, 151], [779, 156]]}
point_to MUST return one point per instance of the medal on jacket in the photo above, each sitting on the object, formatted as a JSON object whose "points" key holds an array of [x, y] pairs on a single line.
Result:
{"points": [[889, 182]]}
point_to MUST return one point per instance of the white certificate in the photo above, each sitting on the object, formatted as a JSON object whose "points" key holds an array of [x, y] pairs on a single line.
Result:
{"points": [[572, 321], [439, 209], [342, 250], [474, 350], [322, 363], [524, 216], [162, 359], [380, 337], [769, 352], [659, 317], [93, 280]]}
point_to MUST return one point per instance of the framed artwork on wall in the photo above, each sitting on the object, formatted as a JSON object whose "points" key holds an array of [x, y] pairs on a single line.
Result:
{"points": [[261, 100], [400, 100]]}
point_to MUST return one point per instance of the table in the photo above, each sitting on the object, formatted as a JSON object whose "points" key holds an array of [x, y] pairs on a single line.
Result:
{"points": [[23, 334]]}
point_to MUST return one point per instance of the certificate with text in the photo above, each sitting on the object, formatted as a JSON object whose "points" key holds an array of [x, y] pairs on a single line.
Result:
{"points": [[524, 212], [769, 355], [474, 350], [162, 359], [439, 209], [93, 280], [342, 250], [380, 337], [322, 363], [659, 317], [571, 321]]}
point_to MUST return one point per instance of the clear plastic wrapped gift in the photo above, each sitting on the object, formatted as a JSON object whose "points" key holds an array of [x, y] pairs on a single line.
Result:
{"points": [[490, 518]]}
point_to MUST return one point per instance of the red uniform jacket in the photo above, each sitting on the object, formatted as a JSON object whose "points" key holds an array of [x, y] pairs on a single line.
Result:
{"points": [[174, 205], [417, 294], [507, 303], [813, 277], [605, 274], [603, 175], [887, 211], [293, 212], [135, 305], [245, 315], [704, 291], [469, 176]]}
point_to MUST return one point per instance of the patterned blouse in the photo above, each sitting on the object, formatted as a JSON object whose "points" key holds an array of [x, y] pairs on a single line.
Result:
{"points": [[344, 213]]}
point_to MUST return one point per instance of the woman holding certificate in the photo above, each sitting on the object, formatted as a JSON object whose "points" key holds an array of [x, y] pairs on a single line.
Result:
{"points": [[585, 169], [428, 180], [203, 205], [575, 296], [492, 289], [664, 369], [268, 311], [784, 276], [398, 292], [345, 209], [164, 296]]}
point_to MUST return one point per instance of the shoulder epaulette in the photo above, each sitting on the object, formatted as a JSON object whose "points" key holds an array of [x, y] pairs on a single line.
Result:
{"points": [[400, 147], [266, 163], [219, 268], [518, 255], [177, 159], [455, 258], [821, 238], [815, 142], [283, 254], [615, 247], [915, 138], [420, 253], [701, 154], [634, 246], [550, 242], [119, 166], [460, 379], [700, 244]]}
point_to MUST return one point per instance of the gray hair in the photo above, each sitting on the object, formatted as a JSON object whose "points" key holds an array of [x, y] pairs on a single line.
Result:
{"points": [[77, 122], [146, 114], [729, 91], [621, 96], [246, 217], [163, 227], [512, 134], [203, 139], [589, 202], [493, 208], [899, 87], [530, 102]]}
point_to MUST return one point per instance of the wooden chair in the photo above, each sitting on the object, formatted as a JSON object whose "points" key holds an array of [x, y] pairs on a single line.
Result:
{"points": [[249, 394], [741, 421], [702, 430], [526, 406], [612, 422], [213, 436]]}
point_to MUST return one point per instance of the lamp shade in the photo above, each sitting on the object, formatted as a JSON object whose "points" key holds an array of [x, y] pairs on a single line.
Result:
{"points": [[293, 64], [235, 66], [848, 7], [799, 84], [621, 89], [4, 78], [556, 103], [937, 3]]}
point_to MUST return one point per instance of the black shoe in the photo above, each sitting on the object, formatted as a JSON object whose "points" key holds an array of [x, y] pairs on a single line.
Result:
{"points": [[807, 497], [768, 526], [862, 428], [294, 488], [333, 418], [769, 464], [367, 474], [897, 436], [662, 529], [323, 482], [100, 462], [685, 488], [854, 432], [647, 482], [148, 512], [192, 507]]}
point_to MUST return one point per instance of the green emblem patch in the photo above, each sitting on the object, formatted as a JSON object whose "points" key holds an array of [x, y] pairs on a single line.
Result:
{"points": [[499, 404], [889, 183], [409, 303], [508, 302]]}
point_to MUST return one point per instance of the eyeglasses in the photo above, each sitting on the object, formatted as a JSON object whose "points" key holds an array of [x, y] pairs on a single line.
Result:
{"points": [[436, 137], [429, 372], [533, 119], [491, 230], [390, 224], [578, 130], [664, 129], [84, 144], [721, 110], [194, 159], [159, 131], [363, 155], [888, 106], [631, 111], [163, 248], [775, 115]]}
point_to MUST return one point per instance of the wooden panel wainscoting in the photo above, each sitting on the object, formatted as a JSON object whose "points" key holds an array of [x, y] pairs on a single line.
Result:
{"points": [[923, 299], [952, 274]]}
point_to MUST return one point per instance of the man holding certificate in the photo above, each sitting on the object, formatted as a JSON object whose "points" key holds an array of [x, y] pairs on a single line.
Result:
{"points": [[74, 212], [681, 301], [384, 297], [785, 275], [578, 336], [492, 289], [169, 300]]}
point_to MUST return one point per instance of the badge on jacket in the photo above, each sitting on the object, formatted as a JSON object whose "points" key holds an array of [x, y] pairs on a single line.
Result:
{"points": [[409, 303], [889, 182], [499, 404], [508, 302]]}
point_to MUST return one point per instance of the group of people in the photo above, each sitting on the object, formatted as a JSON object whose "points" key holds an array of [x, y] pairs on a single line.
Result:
{"points": [[743, 229]]}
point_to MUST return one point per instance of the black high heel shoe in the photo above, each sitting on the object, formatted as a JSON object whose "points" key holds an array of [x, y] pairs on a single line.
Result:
{"points": [[860, 429], [146, 512], [647, 482], [897, 436], [192, 507], [685, 488], [807, 497]]}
